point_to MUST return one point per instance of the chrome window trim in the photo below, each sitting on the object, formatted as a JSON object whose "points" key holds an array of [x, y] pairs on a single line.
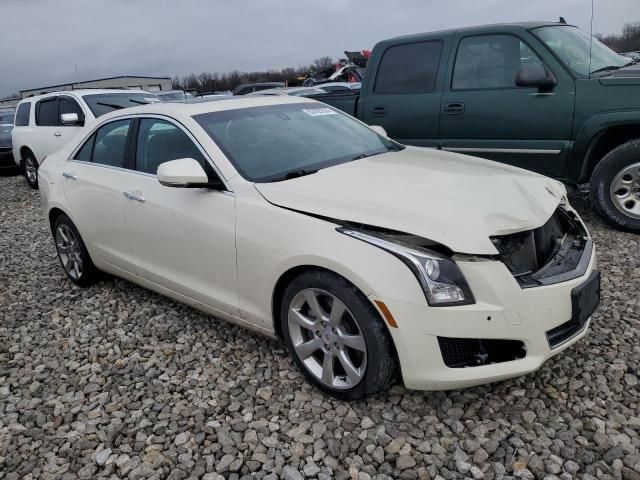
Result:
{"points": [[142, 116], [503, 150]]}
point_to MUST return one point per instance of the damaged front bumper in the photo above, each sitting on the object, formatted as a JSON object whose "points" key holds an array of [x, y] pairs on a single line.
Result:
{"points": [[528, 307]]}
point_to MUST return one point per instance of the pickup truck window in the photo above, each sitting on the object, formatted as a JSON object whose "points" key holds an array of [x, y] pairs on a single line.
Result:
{"points": [[572, 46], [490, 61], [410, 68]]}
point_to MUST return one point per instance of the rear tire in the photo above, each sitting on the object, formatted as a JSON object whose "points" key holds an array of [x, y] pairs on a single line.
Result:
{"points": [[336, 336], [615, 187], [72, 253], [30, 169]]}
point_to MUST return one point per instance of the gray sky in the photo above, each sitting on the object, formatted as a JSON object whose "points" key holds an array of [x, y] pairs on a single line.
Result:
{"points": [[42, 40]]}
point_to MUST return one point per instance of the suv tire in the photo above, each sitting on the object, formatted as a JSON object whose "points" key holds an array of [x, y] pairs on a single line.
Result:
{"points": [[30, 167]]}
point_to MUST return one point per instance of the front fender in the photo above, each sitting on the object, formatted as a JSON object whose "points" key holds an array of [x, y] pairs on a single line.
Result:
{"points": [[591, 130]]}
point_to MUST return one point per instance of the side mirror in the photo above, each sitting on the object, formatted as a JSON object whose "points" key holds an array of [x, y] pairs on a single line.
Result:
{"points": [[70, 119], [535, 75], [183, 173], [379, 130]]}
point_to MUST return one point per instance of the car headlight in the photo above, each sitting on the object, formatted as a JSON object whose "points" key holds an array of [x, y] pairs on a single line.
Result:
{"points": [[440, 278]]}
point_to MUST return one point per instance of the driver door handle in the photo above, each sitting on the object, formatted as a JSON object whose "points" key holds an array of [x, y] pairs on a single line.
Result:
{"points": [[136, 197], [57, 134], [70, 175]]}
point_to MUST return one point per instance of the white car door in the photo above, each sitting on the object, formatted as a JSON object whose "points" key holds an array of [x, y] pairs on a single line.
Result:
{"points": [[94, 180], [182, 238]]}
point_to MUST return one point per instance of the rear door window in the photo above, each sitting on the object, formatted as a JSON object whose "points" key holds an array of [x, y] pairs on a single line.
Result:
{"points": [[23, 114], [108, 146], [410, 68], [47, 112]]}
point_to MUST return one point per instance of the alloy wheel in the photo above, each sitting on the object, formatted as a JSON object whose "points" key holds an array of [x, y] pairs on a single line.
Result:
{"points": [[69, 251], [31, 170], [326, 337], [625, 190]]}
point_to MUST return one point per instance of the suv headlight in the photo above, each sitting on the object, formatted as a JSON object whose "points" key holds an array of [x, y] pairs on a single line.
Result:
{"points": [[440, 278]]}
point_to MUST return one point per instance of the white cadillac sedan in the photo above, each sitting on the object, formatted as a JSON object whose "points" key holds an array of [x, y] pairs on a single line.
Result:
{"points": [[368, 258]]}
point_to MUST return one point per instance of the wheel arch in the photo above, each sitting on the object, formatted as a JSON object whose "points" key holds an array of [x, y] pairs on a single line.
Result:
{"points": [[53, 215], [287, 277], [604, 142], [25, 149]]}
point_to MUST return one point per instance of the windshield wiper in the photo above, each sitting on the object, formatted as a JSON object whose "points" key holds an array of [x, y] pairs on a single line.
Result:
{"points": [[111, 105], [608, 68], [365, 155], [139, 102], [293, 174]]}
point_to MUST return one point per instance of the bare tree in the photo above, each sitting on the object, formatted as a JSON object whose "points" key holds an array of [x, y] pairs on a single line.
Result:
{"points": [[322, 63], [627, 41]]}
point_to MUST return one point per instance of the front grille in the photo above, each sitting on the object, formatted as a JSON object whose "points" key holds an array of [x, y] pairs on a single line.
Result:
{"points": [[547, 254], [473, 352]]}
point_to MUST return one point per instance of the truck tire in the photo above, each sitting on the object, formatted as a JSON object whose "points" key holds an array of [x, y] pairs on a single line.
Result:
{"points": [[615, 187]]}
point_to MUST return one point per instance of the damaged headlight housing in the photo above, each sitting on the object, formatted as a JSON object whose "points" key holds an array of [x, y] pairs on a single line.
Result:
{"points": [[440, 278]]}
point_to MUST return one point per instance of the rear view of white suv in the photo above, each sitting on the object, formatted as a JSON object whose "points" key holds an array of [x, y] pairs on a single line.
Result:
{"points": [[43, 124]]}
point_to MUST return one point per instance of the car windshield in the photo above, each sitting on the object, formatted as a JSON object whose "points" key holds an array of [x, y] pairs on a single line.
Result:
{"points": [[102, 103], [572, 47], [277, 142], [6, 118]]}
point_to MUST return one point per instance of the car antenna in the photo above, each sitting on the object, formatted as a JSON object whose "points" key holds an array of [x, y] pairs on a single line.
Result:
{"points": [[562, 21], [591, 38]]}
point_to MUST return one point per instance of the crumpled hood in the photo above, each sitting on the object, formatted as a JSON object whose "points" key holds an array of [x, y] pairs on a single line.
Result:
{"points": [[456, 200]]}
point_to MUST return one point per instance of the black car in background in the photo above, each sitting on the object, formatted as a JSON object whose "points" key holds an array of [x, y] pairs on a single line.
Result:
{"points": [[7, 165]]}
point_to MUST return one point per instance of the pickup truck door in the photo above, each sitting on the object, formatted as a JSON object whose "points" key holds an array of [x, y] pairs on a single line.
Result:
{"points": [[485, 114], [404, 96]]}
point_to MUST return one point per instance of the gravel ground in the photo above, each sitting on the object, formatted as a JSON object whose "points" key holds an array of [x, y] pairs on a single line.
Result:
{"points": [[117, 382]]}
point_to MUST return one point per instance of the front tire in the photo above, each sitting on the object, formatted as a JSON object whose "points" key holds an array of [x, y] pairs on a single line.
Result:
{"points": [[30, 169], [336, 336], [615, 187], [72, 253]]}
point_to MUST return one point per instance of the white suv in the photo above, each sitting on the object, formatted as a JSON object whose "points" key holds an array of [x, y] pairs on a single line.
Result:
{"points": [[43, 124]]}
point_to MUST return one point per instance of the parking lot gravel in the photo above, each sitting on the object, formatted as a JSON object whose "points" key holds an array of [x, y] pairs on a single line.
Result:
{"points": [[114, 381]]}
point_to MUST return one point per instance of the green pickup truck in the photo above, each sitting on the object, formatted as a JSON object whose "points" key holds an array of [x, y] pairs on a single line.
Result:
{"points": [[541, 96]]}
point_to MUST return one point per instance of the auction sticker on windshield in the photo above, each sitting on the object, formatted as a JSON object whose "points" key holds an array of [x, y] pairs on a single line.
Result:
{"points": [[318, 112]]}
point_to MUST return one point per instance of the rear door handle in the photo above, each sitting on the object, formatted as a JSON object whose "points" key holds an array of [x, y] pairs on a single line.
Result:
{"points": [[70, 175], [57, 134], [136, 197], [454, 108], [379, 111]]}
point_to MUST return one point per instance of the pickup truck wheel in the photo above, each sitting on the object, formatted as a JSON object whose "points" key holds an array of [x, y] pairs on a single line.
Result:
{"points": [[615, 187], [30, 169], [336, 336]]}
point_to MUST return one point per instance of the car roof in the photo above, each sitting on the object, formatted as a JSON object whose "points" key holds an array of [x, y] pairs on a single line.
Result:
{"points": [[86, 91], [180, 109], [477, 28]]}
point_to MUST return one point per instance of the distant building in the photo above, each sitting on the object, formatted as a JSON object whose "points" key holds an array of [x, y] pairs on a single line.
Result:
{"points": [[9, 103], [150, 84]]}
